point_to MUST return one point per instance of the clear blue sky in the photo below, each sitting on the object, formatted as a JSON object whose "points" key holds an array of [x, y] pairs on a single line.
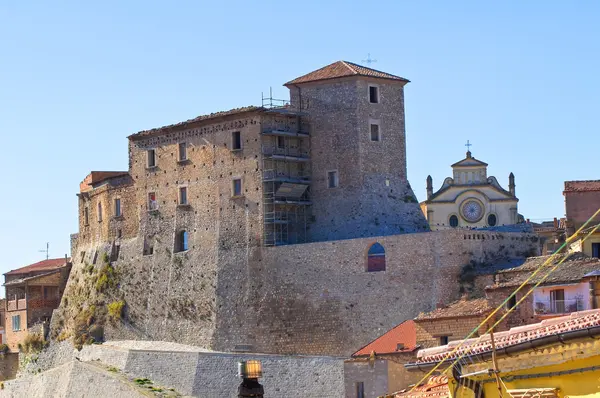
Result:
{"points": [[518, 79]]}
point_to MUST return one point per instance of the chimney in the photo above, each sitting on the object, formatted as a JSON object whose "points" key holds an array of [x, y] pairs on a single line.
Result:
{"points": [[429, 187], [555, 223], [511, 184]]}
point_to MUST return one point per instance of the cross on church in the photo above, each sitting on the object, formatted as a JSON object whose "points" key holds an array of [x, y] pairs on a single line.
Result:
{"points": [[369, 60], [468, 145]]}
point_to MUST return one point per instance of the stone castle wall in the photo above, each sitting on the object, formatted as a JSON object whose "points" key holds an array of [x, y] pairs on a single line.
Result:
{"points": [[305, 299]]}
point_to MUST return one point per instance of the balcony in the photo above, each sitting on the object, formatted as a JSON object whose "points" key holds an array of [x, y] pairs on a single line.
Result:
{"points": [[17, 304], [558, 307]]}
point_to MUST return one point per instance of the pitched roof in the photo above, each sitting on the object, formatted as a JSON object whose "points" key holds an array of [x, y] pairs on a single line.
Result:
{"points": [[436, 386], [572, 270], [469, 161], [582, 186], [19, 281], [46, 265], [200, 118], [517, 335], [343, 69], [457, 309], [405, 334]]}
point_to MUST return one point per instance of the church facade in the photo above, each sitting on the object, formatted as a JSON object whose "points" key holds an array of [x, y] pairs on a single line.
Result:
{"points": [[470, 199]]}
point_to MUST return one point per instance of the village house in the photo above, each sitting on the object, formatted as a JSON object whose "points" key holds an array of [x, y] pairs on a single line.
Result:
{"points": [[378, 367], [582, 200], [567, 289], [554, 358], [552, 234], [32, 293]]}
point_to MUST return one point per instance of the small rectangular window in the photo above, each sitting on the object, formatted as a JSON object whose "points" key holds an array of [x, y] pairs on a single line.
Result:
{"points": [[183, 196], [332, 179], [151, 158], [374, 94], [86, 216], [182, 151], [237, 187], [236, 141], [148, 246], [16, 323], [280, 142], [117, 207], [119, 233], [360, 389], [99, 212], [152, 202], [511, 303], [375, 132], [443, 340]]}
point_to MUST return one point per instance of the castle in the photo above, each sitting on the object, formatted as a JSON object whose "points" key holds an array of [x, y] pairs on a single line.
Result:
{"points": [[277, 229]]}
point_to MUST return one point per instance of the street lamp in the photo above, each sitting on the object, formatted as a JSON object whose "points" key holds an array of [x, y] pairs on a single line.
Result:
{"points": [[250, 371]]}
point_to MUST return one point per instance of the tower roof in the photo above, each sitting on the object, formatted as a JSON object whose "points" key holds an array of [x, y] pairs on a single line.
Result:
{"points": [[343, 69]]}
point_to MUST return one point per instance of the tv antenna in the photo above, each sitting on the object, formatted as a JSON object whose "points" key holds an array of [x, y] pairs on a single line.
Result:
{"points": [[47, 251], [369, 60]]}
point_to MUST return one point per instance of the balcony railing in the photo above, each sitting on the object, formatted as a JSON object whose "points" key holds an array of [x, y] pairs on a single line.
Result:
{"points": [[17, 304], [553, 307], [273, 150]]}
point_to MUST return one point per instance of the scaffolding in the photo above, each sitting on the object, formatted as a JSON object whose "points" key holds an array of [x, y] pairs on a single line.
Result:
{"points": [[286, 176]]}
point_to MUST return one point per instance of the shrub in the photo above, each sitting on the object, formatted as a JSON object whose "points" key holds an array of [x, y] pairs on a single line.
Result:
{"points": [[105, 258], [107, 278], [115, 310], [33, 343], [3, 348]]}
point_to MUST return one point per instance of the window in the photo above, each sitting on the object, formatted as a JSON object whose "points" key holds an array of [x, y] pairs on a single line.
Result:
{"points": [[95, 257], [557, 301], [181, 241], [237, 187], [512, 302], [82, 256], [280, 142], [16, 323], [596, 250], [99, 212], [375, 134], [360, 389], [148, 246], [119, 233], [114, 252], [492, 220], [86, 216], [443, 340], [374, 94], [376, 258], [236, 141], [151, 158], [453, 221], [152, 202], [118, 208], [183, 196], [332, 179], [182, 151]]}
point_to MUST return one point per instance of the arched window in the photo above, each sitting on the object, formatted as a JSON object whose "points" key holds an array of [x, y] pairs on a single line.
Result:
{"points": [[181, 241], [453, 221], [492, 220], [376, 258]]}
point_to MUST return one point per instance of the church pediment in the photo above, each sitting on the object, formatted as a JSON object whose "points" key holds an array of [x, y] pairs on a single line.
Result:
{"points": [[491, 190]]}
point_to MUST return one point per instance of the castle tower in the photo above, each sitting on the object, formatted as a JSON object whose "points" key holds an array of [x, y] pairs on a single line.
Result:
{"points": [[358, 152]]}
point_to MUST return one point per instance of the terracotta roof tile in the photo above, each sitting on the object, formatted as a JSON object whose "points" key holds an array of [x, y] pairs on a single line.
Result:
{"points": [[46, 265], [343, 69], [404, 334], [461, 308], [582, 186], [573, 269], [575, 321], [436, 386], [200, 118]]}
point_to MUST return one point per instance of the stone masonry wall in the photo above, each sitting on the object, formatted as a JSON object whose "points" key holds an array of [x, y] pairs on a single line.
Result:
{"points": [[312, 298], [373, 197]]}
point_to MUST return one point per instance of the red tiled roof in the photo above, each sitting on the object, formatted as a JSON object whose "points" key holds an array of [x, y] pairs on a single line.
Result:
{"points": [[436, 386], [46, 265], [461, 308], [343, 69], [96, 177], [550, 327], [405, 334], [582, 186], [200, 118]]}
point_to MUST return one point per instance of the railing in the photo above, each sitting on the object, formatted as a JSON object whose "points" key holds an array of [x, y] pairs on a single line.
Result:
{"points": [[551, 307], [275, 150], [44, 303], [17, 304]]}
